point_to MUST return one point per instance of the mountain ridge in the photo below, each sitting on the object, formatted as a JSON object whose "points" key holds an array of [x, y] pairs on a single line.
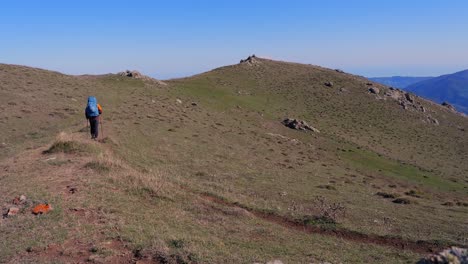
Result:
{"points": [[399, 81], [451, 88]]}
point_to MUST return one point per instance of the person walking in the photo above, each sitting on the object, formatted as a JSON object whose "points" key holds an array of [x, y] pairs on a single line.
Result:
{"points": [[93, 111]]}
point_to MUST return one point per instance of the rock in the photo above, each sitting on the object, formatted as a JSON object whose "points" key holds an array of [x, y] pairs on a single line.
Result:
{"points": [[298, 125], [455, 255], [409, 97], [433, 120], [374, 90], [369, 84], [13, 211], [343, 90], [422, 109], [178, 101], [22, 198], [328, 84], [194, 104], [339, 71], [449, 106]]}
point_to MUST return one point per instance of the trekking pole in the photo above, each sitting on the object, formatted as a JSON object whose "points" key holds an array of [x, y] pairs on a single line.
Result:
{"points": [[102, 128]]}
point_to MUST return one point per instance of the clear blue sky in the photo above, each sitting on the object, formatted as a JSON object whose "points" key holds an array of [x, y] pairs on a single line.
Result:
{"points": [[176, 38]]}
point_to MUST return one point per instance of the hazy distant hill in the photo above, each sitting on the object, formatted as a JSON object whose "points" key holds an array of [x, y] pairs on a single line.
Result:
{"points": [[452, 88], [399, 81]]}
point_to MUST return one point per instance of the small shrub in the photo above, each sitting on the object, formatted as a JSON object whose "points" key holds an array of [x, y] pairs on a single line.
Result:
{"points": [[327, 210], [177, 243], [386, 195], [413, 193], [401, 201]]}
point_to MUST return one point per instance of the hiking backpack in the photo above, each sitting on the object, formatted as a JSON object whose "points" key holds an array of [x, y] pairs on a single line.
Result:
{"points": [[92, 108]]}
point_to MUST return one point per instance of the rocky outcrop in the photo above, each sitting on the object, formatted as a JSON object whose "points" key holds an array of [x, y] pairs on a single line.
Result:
{"points": [[298, 125], [131, 74], [251, 60], [453, 255], [138, 75], [406, 100]]}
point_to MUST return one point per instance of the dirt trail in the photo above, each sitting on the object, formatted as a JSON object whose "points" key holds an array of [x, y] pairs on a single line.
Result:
{"points": [[422, 247]]}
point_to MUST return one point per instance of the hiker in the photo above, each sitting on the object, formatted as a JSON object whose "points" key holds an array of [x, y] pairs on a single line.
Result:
{"points": [[92, 112]]}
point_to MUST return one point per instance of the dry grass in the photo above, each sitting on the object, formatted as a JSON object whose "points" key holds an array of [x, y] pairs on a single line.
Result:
{"points": [[129, 185]]}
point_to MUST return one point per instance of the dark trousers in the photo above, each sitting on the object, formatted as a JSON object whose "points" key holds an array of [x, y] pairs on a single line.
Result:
{"points": [[94, 123]]}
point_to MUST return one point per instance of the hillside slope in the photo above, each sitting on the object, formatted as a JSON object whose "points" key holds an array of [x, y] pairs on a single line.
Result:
{"points": [[201, 170], [399, 81], [451, 88]]}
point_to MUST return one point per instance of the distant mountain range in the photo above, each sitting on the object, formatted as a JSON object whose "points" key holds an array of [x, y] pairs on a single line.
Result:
{"points": [[451, 88], [399, 81]]}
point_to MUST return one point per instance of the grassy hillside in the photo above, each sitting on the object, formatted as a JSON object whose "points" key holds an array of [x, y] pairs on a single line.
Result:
{"points": [[201, 170]]}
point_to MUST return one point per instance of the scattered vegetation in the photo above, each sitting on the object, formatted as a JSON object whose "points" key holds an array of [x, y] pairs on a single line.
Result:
{"points": [[401, 201], [386, 195], [414, 193], [328, 211]]}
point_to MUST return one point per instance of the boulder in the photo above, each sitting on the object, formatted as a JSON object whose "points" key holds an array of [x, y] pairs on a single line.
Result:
{"points": [[328, 84], [298, 125], [374, 90]]}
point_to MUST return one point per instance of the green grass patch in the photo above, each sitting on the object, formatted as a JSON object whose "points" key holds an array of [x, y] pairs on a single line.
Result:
{"points": [[320, 221], [369, 161]]}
